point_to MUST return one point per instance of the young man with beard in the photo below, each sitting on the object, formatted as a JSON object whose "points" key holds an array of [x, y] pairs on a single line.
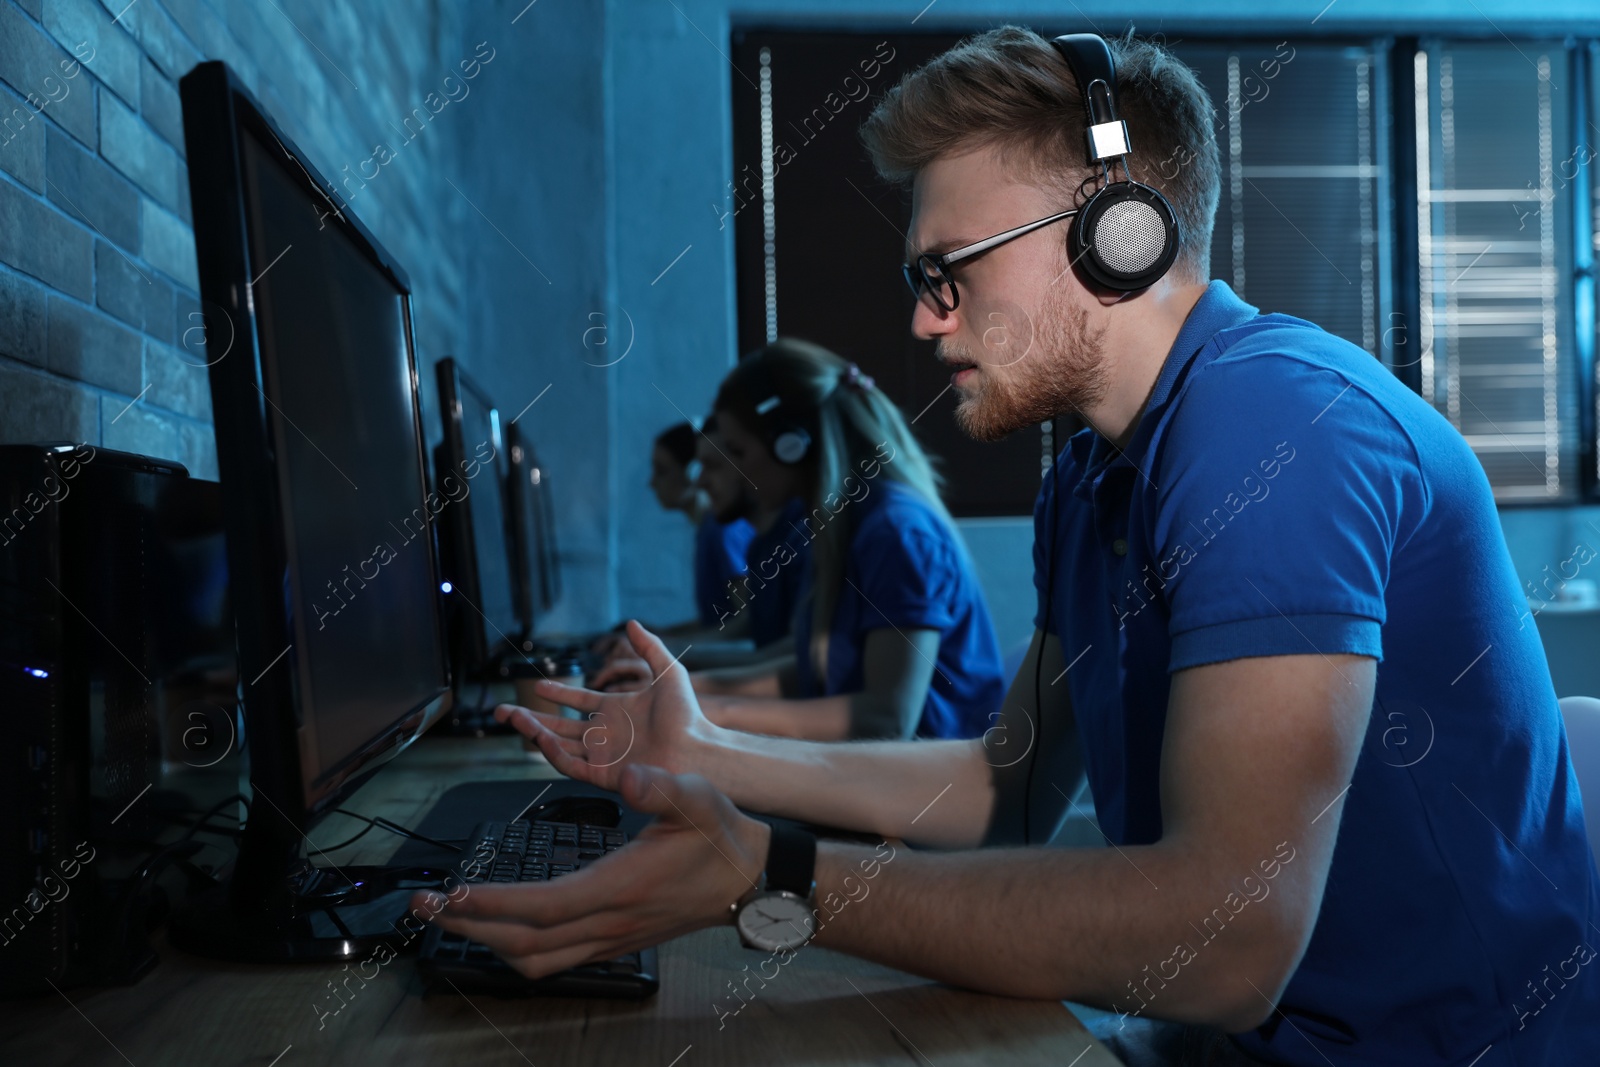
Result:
{"points": [[1290, 883]]}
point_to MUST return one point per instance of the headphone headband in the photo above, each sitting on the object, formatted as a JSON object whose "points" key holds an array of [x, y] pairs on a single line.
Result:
{"points": [[786, 436], [1091, 62]]}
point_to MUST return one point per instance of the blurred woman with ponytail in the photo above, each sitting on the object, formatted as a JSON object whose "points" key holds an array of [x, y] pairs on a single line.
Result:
{"points": [[892, 637]]}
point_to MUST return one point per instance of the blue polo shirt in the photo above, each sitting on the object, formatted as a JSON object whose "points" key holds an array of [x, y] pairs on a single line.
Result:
{"points": [[1285, 494], [719, 550], [907, 568]]}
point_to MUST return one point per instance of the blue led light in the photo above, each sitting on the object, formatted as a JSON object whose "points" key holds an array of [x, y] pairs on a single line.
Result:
{"points": [[36, 672], [446, 587]]}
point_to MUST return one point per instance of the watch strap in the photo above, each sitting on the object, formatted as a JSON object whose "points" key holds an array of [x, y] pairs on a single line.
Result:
{"points": [[791, 860]]}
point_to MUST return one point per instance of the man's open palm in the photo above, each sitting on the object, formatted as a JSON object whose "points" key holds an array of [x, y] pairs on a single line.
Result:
{"points": [[655, 725]]}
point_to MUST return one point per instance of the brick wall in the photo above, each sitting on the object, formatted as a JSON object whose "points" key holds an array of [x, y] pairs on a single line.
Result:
{"points": [[100, 332]]}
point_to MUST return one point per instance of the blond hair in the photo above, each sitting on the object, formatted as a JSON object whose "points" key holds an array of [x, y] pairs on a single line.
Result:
{"points": [[1008, 89]]}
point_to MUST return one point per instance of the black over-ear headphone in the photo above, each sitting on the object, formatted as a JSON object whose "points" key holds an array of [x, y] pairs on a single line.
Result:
{"points": [[1126, 236], [789, 441]]}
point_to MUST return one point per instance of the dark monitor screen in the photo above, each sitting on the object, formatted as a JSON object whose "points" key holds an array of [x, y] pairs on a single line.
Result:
{"points": [[533, 528], [472, 479], [328, 519], [480, 428], [362, 640]]}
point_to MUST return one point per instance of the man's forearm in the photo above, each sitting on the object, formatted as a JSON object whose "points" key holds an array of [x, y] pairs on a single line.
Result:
{"points": [[758, 679], [1086, 925], [720, 654], [836, 718], [930, 792], [818, 719]]}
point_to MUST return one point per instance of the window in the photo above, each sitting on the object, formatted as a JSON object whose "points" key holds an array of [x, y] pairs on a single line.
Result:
{"points": [[1494, 255], [1305, 191]]}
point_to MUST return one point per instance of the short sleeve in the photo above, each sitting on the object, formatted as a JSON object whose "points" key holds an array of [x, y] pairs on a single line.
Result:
{"points": [[1282, 489], [907, 569]]}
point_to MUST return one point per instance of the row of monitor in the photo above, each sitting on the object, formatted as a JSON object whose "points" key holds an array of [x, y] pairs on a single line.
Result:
{"points": [[498, 535], [348, 614]]}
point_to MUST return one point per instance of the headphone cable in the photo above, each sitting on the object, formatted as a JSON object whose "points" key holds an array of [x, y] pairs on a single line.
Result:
{"points": [[1044, 635]]}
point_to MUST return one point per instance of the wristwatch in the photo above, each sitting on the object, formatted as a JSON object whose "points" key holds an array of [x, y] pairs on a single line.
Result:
{"points": [[778, 915]]}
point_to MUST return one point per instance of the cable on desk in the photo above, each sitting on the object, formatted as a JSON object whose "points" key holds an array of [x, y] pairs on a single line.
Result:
{"points": [[132, 906], [393, 827], [153, 863]]}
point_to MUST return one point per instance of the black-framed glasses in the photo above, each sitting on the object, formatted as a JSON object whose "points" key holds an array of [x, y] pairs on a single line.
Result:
{"points": [[931, 273]]}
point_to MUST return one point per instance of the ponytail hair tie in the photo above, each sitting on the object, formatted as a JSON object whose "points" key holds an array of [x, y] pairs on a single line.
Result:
{"points": [[856, 379]]}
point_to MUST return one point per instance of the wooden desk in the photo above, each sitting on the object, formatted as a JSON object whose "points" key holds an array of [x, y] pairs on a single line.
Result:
{"points": [[822, 1008]]}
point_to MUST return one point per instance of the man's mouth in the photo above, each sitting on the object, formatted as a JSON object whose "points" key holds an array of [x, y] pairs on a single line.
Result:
{"points": [[960, 370]]}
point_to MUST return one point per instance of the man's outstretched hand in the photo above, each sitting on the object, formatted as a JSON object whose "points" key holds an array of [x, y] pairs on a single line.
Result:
{"points": [[682, 873], [622, 674], [659, 725]]}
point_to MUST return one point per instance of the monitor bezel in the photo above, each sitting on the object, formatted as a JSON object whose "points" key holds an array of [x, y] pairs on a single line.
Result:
{"points": [[217, 112]]}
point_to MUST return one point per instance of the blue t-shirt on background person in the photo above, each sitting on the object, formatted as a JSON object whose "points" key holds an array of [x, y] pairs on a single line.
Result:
{"points": [[719, 550], [1284, 493], [906, 568]]}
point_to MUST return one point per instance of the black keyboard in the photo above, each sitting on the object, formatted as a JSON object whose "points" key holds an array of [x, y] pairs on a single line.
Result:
{"points": [[532, 852]]}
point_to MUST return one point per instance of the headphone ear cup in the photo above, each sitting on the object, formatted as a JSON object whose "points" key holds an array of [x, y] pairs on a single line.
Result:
{"points": [[1126, 237], [791, 446]]}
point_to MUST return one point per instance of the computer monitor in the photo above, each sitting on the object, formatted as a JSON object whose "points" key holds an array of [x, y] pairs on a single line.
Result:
{"points": [[329, 520], [532, 532], [484, 594]]}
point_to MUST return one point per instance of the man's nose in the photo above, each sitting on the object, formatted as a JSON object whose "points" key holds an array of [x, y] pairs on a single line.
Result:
{"points": [[929, 322]]}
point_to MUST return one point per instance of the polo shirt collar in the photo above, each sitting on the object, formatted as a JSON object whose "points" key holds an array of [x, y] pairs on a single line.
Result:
{"points": [[1219, 308]]}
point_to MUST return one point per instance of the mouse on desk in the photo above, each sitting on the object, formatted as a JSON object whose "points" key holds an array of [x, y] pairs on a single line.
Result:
{"points": [[583, 810]]}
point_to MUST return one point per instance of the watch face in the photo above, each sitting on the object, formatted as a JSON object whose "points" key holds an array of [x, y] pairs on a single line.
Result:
{"points": [[777, 921]]}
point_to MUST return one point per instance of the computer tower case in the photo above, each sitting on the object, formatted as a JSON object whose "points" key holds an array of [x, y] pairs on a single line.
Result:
{"points": [[118, 686]]}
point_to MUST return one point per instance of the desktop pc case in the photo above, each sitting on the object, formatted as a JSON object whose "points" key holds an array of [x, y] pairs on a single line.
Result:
{"points": [[117, 686]]}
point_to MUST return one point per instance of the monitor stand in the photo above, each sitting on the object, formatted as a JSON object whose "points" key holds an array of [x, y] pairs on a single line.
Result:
{"points": [[276, 907], [472, 717], [472, 704]]}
